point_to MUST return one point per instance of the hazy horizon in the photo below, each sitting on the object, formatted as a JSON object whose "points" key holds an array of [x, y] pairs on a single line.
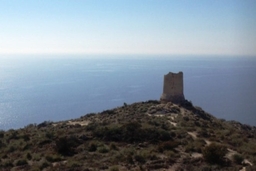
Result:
{"points": [[39, 89]]}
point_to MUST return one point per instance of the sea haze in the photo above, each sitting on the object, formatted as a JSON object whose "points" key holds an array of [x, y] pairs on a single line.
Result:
{"points": [[37, 89]]}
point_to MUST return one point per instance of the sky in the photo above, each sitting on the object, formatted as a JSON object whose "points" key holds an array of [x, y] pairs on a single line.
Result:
{"points": [[198, 27]]}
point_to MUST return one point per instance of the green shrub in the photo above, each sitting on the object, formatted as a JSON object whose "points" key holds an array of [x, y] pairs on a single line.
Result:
{"points": [[238, 159], [66, 145], [103, 149], [53, 158], [92, 126], [21, 162], [92, 147], [108, 112], [172, 156], [49, 135], [44, 124], [114, 168], [25, 137], [169, 145], [11, 149], [7, 163], [139, 158], [73, 164], [27, 146], [131, 132], [195, 146], [2, 144], [203, 133], [129, 159], [13, 135], [113, 146], [214, 153], [44, 165], [2, 134], [28, 156]]}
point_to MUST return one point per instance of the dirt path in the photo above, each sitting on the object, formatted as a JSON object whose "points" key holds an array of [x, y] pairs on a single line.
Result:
{"points": [[193, 135], [82, 123]]}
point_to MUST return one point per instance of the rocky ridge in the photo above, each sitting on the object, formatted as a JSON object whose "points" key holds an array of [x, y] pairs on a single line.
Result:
{"points": [[140, 136]]}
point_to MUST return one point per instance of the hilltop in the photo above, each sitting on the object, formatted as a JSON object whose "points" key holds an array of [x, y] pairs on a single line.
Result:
{"points": [[140, 136]]}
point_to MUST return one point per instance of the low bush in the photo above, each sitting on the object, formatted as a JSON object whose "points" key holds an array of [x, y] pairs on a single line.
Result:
{"points": [[114, 168], [169, 145], [2, 134], [131, 132], [238, 159], [139, 158], [129, 159], [113, 146], [214, 153], [2, 144], [29, 156], [21, 162], [53, 158], [7, 164], [92, 147], [44, 165], [44, 124], [73, 165], [109, 112], [103, 149], [66, 145], [195, 146]]}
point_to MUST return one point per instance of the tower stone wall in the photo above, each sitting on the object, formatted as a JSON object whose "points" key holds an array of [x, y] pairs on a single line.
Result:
{"points": [[173, 88]]}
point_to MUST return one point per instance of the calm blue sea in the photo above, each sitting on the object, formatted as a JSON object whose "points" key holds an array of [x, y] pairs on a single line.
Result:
{"points": [[41, 88]]}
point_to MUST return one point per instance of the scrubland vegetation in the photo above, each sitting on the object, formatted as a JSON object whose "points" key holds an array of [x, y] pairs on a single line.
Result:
{"points": [[141, 136]]}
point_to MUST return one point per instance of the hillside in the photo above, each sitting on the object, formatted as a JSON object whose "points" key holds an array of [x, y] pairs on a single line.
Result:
{"points": [[141, 136]]}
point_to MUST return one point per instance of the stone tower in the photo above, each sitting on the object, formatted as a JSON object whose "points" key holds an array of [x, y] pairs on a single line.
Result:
{"points": [[173, 88]]}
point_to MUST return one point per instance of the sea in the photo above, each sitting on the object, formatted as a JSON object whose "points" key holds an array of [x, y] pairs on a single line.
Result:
{"points": [[38, 88]]}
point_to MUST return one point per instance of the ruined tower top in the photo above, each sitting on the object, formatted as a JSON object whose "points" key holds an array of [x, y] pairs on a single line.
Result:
{"points": [[173, 88]]}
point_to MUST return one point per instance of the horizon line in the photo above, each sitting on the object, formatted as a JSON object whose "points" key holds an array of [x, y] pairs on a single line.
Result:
{"points": [[129, 54]]}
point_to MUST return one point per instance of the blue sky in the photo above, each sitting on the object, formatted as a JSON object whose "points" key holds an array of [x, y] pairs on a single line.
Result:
{"points": [[222, 27]]}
